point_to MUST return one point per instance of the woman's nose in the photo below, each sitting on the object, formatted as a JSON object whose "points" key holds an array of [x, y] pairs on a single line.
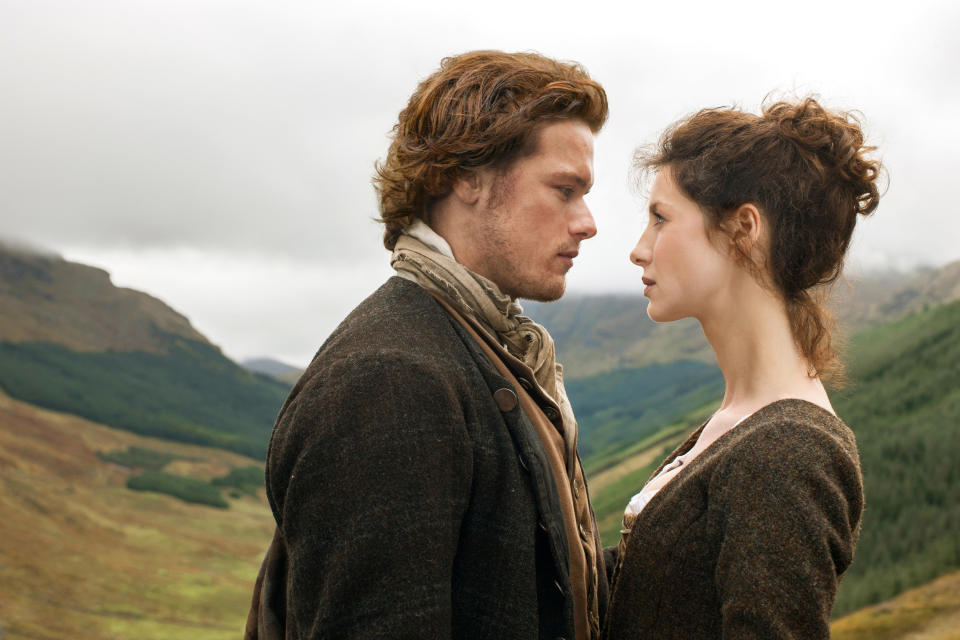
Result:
{"points": [[640, 255]]}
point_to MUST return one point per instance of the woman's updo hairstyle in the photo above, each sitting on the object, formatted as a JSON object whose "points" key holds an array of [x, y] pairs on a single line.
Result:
{"points": [[808, 172]]}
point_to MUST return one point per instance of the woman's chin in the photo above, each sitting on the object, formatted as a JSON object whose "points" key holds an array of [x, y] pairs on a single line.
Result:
{"points": [[654, 314], [658, 314]]}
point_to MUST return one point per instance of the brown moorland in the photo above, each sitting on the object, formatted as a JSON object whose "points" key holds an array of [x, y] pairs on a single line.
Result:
{"points": [[930, 612], [83, 557]]}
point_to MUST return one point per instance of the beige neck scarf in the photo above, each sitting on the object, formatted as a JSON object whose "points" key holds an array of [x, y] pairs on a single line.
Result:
{"points": [[423, 256]]}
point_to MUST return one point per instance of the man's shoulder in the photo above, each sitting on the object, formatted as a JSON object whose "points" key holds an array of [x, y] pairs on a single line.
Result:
{"points": [[399, 322], [398, 310]]}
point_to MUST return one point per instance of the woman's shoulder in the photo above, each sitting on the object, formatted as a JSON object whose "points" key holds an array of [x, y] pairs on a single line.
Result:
{"points": [[792, 436]]}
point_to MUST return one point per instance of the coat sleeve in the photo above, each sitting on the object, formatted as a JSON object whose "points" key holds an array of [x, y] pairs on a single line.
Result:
{"points": [[790, 512], [369, 476]]}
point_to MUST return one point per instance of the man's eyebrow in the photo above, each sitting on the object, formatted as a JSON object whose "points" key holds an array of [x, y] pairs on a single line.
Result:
{"points": [[571, 175]]}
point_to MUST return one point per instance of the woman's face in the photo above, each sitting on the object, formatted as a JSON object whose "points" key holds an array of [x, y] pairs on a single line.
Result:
{"points": [[685, 272]]}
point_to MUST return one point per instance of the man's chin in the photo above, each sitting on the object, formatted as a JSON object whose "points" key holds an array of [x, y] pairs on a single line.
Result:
{"points": [[545, 292]]}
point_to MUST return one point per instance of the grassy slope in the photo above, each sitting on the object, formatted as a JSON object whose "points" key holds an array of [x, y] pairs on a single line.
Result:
{"points": [[930, 612], [82, 557], [617, 477]]}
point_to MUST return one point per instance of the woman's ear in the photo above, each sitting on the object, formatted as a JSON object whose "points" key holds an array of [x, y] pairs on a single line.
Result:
{"points": [[467, 188], [747, 228]]}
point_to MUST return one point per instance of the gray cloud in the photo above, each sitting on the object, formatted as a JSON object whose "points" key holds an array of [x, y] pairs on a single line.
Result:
{"points": [[248, 130]]}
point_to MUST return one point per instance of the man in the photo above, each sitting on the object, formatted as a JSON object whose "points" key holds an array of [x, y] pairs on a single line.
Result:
{"points": [[423, 472]]}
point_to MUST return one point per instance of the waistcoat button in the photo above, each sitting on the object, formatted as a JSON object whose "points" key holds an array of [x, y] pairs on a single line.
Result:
{"points": [[505, 398]]}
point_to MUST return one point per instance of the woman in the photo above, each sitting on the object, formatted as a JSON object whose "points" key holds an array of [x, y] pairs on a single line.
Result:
{"points": [[745, 529]]}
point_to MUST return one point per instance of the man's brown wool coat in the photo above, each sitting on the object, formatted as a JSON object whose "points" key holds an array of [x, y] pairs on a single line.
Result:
{"points": [[408, 505]]}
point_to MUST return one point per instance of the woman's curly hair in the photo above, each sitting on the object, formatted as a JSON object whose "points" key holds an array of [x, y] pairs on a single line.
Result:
{"points": [[810, 174], [479, 110]]}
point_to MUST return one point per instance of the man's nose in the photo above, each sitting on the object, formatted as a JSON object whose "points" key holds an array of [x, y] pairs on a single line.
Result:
{"points": [[582, 225]]}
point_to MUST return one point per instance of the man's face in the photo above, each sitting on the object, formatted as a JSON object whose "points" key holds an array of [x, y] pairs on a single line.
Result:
{"points": [[532, 219]]}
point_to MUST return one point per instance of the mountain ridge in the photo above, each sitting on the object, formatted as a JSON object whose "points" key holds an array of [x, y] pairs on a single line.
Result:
{"points": [[45, 298], [72, 341]]}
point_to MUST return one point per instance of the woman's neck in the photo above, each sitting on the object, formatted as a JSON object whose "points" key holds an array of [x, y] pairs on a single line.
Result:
{"points": [[757, 353]]}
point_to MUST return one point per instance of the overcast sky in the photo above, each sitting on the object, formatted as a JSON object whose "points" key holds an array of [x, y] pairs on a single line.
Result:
{"points": [[218, 154]]}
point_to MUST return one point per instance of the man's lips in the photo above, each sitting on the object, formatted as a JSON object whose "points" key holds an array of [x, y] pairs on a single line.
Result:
{"points": [[570, 254]]}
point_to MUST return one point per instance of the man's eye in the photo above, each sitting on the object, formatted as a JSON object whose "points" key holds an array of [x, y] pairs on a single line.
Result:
{"points": [[566, 191]]}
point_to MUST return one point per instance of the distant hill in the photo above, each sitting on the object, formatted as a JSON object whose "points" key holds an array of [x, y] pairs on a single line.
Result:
{"points": [[71, 341], [44, 298], [599, 333], [876, 298], [596, 334], [270, 367]]}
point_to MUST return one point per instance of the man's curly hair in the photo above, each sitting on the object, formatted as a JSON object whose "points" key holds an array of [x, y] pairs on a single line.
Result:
{"points": [[479, 110]]}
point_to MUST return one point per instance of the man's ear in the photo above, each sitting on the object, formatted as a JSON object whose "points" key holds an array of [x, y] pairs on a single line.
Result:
{"points": [[467, 188]]}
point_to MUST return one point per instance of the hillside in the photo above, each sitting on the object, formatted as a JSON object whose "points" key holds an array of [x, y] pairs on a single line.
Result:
{"points": [[619, 408], [904, 405], [930, 612], [883, 297], [84, 558], [71, 341], [597, 334], [44, 298]]}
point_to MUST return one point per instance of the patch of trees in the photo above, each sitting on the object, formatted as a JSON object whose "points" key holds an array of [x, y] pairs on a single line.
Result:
{"points": [[153, 478], [192, 394], [186, 489], [138, 458]]}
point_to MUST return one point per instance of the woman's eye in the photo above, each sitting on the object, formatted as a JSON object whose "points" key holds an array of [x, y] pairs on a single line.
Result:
{"points": [[657, 219]]}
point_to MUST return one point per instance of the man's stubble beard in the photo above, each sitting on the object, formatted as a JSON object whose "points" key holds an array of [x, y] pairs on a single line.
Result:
{"points": [[503, 258], [498, 249]]}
